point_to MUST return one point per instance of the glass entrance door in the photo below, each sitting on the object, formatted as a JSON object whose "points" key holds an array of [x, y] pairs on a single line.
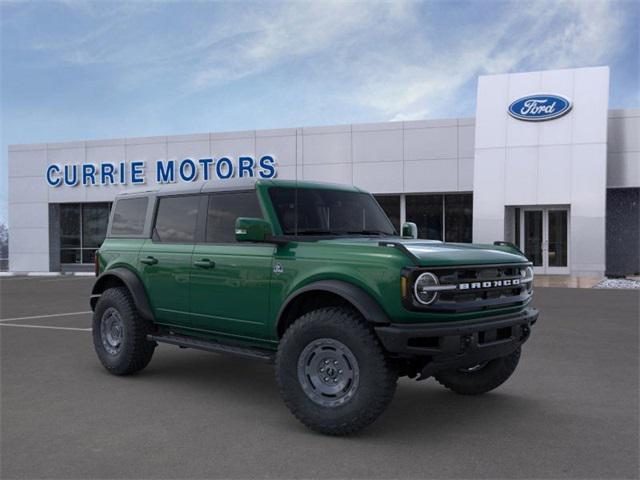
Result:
{"points": [[533, 236], [557, 247], [544, 234]]}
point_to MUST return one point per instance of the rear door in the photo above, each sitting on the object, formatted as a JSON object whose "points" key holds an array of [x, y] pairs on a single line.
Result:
{"points": [[165, 259], [230, 281]]}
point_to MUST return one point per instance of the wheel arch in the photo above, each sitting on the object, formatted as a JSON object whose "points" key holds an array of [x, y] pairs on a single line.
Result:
{"points": [[328, 293], [123, 277]]}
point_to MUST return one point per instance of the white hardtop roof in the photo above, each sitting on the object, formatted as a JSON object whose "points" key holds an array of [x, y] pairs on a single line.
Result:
{"points": [[227, 186]]}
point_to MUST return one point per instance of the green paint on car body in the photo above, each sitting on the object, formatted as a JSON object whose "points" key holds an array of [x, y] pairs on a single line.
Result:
{"points": [[321, 278]]}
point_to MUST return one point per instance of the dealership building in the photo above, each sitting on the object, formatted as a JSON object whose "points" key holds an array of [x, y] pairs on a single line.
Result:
{"points": [[544, 164]]}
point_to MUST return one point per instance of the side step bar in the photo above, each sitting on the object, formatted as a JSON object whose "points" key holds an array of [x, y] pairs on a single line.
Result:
{"points": [[213, 346]]}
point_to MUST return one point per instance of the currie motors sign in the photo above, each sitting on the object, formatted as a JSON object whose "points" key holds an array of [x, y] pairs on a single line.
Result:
{"points": [[540, 107], [164, 171]]}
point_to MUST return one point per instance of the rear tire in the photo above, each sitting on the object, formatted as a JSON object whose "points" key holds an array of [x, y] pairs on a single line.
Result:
{"points": [[332, 372], [476, 381], [120, 334]]}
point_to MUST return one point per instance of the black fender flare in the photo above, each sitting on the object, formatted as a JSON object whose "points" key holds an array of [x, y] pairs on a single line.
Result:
{"points": [[132, 282], [356, 296]]}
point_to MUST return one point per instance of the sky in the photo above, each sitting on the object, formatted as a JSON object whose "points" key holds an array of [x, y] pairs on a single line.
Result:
{"points": [[76, 70]]}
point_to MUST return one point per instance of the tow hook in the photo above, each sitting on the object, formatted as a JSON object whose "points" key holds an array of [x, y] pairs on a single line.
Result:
{"points": [[465, 341]]}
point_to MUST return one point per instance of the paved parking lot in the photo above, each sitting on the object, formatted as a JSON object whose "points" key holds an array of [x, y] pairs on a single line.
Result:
{"points": [[571, 409]]}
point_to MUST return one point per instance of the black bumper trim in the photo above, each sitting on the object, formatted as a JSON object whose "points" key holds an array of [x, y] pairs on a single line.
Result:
{"points": [[459, 344]]}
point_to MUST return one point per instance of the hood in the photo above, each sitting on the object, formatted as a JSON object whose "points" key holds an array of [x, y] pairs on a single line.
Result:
{"points": [[435, 253]]}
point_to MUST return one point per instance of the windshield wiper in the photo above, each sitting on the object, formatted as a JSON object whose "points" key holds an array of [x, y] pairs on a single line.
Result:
{"points": [[319, 232], [369, 232]]}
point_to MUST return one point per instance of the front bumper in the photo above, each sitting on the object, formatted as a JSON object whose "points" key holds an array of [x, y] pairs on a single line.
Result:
{"points": [[452, 345]]}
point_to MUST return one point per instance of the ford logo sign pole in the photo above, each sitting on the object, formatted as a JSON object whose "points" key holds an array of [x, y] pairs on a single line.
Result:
{"points": [[537, 108]]}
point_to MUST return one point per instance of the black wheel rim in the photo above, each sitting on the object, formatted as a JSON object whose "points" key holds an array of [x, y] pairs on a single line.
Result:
{"points": [[328, 372], [111, 331]]}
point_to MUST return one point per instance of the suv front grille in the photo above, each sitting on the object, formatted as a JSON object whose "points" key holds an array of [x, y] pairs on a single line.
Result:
{"points": [[478, 287]]}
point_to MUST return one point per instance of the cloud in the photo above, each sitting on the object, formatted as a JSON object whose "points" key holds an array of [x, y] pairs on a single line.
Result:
{"points": [[535, 35], [296, 30], [221, 42], [397, 59]]}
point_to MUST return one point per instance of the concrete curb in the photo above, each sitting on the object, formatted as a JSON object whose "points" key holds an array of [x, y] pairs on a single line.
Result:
{"points": [[46, 274]]}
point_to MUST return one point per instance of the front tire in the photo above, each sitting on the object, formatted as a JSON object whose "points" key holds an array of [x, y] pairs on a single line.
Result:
{"points": [[120, 334], [480, 378], [332, 372]]}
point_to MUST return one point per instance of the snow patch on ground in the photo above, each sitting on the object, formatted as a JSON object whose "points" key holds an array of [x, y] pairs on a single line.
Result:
{"points": [[618, 283]]}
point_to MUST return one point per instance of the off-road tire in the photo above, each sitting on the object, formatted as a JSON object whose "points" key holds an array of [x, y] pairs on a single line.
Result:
{"points": [[489, 377], [377, 376], [135, 351]]}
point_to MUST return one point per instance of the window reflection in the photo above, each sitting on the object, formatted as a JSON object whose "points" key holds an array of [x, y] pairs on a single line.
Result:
{"points": [[391, 206], [224, 210], [458, 220], [176, 219], [69, 226], [83, 228], [558, 238], [95, 219], [447, 217], [426, 212]]}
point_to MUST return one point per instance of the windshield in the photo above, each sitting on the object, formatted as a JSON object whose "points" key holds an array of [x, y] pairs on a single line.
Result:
{"points": [[328, 212]]}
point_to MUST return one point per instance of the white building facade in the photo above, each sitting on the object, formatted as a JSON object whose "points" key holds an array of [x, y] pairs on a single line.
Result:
{"points": [[544, 164]]}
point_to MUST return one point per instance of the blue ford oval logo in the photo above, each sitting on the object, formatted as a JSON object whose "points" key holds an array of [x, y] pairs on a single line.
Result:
{"points": [[536, 108]]}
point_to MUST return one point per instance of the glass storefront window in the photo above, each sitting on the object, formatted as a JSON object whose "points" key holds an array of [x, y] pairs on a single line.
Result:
{"points": [[458, 217], [391, 206], [447, 217], [82, 230], [70, 255], [426, 211], [69, 226], [95, 218]]}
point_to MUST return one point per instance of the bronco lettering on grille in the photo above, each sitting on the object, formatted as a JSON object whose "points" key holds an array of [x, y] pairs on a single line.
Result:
{"points": [[511, 282]]}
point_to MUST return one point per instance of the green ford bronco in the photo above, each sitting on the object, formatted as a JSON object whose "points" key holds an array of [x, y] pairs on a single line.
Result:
{"points": [[314, 278]]}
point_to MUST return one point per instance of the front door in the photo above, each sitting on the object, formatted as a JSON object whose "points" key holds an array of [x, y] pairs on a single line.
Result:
{"points": [[230, 281], [544, 234]]}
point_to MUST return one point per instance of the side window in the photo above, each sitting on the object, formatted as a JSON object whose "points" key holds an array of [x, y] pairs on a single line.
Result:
{"points": [[224, 209], [176, 219], [129, 216]]}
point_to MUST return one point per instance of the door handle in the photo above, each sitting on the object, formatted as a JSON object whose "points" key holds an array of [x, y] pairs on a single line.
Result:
{"points": [[204, 263], [149, 260]]}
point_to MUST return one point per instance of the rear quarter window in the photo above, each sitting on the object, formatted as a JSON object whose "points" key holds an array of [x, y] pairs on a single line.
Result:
{"points": [[129, 216]]}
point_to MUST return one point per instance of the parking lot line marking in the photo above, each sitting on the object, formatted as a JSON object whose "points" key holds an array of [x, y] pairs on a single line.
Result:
{"points": [[45, 326], [15, 319]]}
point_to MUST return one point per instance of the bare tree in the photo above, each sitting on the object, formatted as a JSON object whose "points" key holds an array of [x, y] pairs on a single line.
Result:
{"points": [[4, 241]]}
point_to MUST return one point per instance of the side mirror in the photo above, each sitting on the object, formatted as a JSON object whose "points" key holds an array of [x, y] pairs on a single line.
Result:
{"points": [[512, 246], [252, 230], [409, 229]]}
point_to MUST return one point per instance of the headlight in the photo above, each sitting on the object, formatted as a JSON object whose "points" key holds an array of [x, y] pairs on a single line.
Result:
{"points": [[425, 288], [526, 274]]}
